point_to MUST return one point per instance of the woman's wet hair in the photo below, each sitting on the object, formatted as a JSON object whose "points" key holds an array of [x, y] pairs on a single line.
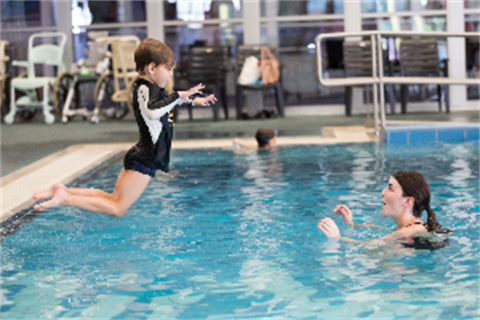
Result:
{"points": [[415, 185], [153, 51], [422, 243], [263, 136]]}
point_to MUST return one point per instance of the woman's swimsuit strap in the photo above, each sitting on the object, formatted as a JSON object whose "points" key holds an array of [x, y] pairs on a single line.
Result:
{"points": [[416, 222]]}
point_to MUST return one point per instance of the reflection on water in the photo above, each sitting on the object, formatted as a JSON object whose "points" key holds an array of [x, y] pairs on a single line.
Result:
{"points": [[235, 236]]}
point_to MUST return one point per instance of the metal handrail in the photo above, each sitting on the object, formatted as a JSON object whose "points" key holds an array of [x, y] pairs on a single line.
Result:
{"points": [[377, 80]]}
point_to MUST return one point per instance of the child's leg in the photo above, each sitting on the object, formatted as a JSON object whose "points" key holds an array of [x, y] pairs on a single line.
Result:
{"points": [[129, 187], [49, 192], [87, 192]]}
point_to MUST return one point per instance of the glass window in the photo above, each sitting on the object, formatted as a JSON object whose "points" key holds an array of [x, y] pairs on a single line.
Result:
{"points": [[370, 6], [178, 37], [298, 59], [414, 23], [273, 8], [80, 39], [107, 11], [20, 14], [200, 10], [472, 51], [297, 34], [472, 4]]}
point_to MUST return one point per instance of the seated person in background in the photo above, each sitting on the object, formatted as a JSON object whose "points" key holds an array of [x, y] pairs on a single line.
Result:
{"points": [[404, 199], [265, 140]]}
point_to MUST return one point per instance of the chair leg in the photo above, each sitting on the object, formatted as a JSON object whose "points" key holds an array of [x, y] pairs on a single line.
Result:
{"points": [[175, 114], [391, 97], [348, 101], [223, 93], [239, 98], [215, 109], [439, 97], [47, 115], [447, 98], [280, 101], [13, 108], [190, 116], [404, 97]]}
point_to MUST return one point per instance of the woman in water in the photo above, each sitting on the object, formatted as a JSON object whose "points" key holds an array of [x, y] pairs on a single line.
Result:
{"points": [[404, 199]]}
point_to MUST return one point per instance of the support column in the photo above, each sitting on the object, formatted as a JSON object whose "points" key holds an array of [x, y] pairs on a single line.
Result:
{"points": [[456, 53], [353, 23], [64, 24], [155, 18], [251, 21], [253, 103], [271, 10]]}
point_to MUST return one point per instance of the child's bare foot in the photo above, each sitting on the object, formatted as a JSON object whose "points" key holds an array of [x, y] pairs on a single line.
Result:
{"points": [[49, 192], [56, 201]]}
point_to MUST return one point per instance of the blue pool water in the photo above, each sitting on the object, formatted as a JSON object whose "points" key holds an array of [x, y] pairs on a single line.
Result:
{"points": [[235, 236]]}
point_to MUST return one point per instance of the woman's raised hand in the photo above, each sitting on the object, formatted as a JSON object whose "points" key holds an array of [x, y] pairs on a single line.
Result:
{"points": [[329, 228], [346, 214]]}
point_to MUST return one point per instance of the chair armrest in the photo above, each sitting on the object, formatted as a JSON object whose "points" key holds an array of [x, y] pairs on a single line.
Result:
{"points": [[23, 64]]}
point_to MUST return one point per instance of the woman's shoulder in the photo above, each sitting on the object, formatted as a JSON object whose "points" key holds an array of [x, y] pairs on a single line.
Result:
{"points": [[417, 227]]}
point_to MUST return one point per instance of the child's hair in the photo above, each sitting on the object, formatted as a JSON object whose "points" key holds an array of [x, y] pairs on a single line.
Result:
{"points": [[264, 135], [415, 185], [153, 50]]}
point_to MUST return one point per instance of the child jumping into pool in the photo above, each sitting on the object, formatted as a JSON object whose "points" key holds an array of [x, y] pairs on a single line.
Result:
{"points": [[404, 199], [152, 108]]}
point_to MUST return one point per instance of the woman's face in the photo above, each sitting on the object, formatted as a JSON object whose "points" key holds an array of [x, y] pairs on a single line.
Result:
{"points": [[393, 199]]}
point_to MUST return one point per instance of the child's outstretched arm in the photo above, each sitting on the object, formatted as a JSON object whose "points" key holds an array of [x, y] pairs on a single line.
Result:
{"points": [[205, 101], [185, 95], [157, 108], [201, 101]]}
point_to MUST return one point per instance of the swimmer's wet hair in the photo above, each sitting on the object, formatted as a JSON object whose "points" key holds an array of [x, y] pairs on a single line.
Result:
{"points": [[153, 50], [415, 185], [263, 136]]}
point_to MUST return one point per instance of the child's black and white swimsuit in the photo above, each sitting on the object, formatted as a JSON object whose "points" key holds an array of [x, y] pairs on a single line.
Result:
{"points": [[152, 110]]}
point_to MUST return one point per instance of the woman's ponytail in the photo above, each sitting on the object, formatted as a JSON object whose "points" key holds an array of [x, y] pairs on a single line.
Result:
{"points": [[432, 223]]}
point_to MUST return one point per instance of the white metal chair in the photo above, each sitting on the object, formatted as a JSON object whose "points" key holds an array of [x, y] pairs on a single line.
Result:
{"points": [[46, 54]]}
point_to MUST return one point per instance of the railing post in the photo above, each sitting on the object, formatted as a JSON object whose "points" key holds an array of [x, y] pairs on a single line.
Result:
{"points": [[375, 86], [380, 84]]}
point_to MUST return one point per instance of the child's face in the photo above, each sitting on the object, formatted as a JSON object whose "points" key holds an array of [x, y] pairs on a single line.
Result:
{"points": [[160, 74]]}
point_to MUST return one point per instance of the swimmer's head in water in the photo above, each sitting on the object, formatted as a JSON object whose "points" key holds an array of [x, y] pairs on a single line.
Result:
{"points": [[264, 136], [416, 186]]}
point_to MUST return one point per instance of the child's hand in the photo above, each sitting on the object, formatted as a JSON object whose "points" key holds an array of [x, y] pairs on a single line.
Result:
{"points": [[206, 101], [186, 94]]}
